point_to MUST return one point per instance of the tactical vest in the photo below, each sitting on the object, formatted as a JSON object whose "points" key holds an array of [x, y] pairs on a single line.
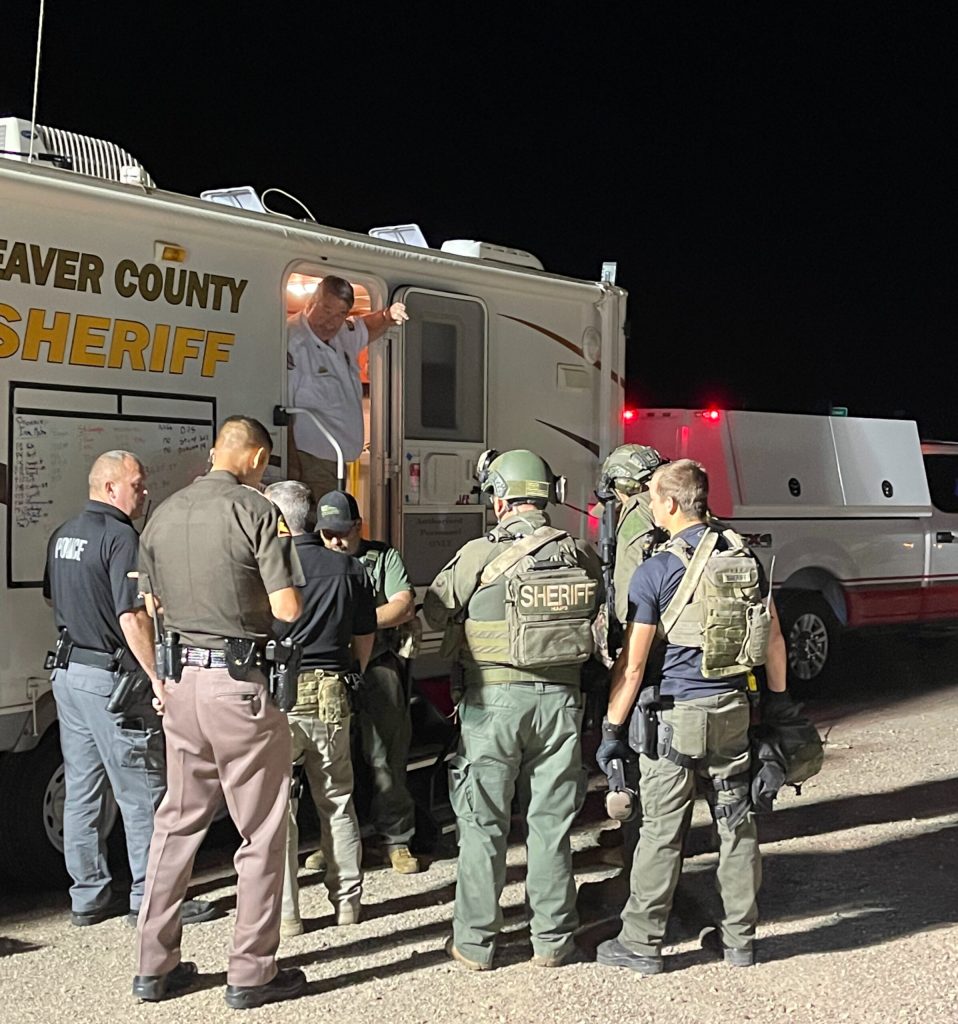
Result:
{"points": [[549, 603], [373, 560], [322, 694], [718, 606]]}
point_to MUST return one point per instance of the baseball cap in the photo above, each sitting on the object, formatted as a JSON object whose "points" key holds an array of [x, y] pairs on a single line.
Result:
{"points": [[338, 511]]}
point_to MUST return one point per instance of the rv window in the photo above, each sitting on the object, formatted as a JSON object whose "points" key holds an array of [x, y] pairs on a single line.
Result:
{"points": [[445, 368], [942, 472]]}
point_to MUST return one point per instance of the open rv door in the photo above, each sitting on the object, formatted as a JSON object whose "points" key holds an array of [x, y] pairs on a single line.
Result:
{"points": [[437, 428]]}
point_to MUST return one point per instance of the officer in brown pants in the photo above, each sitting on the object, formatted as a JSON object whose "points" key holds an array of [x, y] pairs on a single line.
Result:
{"points": [[222, 565]]}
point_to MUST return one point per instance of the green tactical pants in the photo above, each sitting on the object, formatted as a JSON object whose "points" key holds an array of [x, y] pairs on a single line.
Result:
{"points": [[386, 731], [523, 735], [714, 731]]}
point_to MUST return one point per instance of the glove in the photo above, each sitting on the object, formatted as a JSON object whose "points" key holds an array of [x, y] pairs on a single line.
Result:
{"points": [[778, 707], [612, 746]]}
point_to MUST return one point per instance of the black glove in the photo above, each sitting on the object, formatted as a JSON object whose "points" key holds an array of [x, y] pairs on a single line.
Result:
{"points": [[613, 746], [778, 706]]}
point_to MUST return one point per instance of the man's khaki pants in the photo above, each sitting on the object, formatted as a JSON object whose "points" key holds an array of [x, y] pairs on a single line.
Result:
{"points": [[222, 737], [324, 749], [714, 731]]}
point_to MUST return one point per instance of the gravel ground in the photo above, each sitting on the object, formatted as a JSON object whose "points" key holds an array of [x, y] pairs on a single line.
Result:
{"points": [[859, 913]]}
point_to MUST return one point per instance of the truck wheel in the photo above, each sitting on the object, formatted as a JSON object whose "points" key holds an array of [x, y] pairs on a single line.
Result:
{"points": [[32, 789], [812, 638]]}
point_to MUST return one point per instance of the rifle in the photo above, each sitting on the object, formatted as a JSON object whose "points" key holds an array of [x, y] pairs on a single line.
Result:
{"points": [[607, 546]]}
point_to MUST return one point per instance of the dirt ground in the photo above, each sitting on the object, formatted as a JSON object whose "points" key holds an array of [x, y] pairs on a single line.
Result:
{"points": [[859, 907]]}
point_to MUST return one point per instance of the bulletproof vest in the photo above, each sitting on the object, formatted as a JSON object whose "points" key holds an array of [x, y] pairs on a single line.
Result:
{"points": [[530, 617], [718, 606]]}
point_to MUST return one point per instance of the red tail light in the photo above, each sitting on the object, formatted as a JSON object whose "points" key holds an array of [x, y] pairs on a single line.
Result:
{"points": [[628, 415]]}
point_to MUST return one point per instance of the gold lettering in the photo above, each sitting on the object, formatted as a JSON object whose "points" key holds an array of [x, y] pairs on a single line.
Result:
{"points": [[216, 351], [161, 338], [37, 333], [185, 346], [130, 338], [84, 340], [9, 340]]}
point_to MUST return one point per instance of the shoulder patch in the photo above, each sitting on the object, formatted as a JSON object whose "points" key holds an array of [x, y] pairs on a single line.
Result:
{"points": [[282, 530]]}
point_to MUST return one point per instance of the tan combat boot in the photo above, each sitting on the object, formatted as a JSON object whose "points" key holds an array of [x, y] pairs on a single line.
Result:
{"points": [[403, 861]]}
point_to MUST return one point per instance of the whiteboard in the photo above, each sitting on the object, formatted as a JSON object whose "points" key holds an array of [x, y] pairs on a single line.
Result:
{"points": [[51, 452]]}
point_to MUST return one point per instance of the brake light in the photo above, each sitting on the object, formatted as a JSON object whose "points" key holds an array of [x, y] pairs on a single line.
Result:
{"points": [[711, 415], [628, 415]]}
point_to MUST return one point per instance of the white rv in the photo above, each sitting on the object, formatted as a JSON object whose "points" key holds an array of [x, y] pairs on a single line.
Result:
{"points": [[135, 318], [859, 516]]}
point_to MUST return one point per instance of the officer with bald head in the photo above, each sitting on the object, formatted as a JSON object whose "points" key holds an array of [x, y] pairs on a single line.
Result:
{"points": [[222, 565], [104, 632]]}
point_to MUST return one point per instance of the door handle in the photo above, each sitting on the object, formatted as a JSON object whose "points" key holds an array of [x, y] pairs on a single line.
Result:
{"points": [[945, 537]]}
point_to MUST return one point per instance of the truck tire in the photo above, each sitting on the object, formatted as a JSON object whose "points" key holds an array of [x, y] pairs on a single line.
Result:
{"points": [[32, 789], [812, 640], [31, 815]]}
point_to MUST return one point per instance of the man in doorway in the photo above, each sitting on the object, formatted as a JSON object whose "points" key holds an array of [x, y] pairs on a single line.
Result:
{"points": [[323, 347]]}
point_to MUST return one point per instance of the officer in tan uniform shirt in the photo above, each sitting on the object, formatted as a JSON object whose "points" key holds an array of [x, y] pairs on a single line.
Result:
{"points": [[221, 562]]}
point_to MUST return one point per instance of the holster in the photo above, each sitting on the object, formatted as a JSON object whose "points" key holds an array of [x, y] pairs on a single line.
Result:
{"points": [[644, 723], [240, 656], [354, 681], [168, 656], [59, 657], [127, 690], [285, 657]]}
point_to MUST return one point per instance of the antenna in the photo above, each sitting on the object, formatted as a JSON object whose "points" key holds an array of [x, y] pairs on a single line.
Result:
{"points": [[282, 192], [36, 84]]}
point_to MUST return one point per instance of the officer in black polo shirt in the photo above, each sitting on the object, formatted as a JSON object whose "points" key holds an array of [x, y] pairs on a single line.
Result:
{"points": [[105, 631], [337, 630]]}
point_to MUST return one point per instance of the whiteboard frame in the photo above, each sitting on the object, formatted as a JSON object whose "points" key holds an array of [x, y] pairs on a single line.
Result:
{"points": [[119, 416]]}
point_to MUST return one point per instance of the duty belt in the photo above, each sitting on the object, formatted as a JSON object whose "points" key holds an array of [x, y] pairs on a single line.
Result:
{"points": [[93, 659], [203, 657]]}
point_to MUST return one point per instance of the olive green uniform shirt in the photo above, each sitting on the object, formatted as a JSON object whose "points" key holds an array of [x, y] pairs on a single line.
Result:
{"points": [[387, 574], [214, 552]]}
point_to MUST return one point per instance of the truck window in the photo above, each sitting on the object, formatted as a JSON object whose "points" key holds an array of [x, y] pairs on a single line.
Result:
{"points": [[942, 472]]}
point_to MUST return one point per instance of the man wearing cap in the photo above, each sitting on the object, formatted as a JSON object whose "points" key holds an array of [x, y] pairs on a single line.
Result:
{"points": [[323, 347], [336, 631], [385, 725]]}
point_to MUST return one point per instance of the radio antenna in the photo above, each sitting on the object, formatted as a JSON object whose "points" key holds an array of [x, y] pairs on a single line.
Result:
{"points": [[36, 84]]}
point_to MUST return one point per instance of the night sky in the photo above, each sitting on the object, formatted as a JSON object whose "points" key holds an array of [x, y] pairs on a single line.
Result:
{"points": [[776, 181]]}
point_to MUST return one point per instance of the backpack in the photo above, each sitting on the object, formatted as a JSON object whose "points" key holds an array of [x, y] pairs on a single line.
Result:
{"points": [[718, 606], [550, 603]]}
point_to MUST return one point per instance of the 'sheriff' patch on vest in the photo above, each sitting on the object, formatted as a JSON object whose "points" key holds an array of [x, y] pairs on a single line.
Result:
{"points": [[549, 606]]}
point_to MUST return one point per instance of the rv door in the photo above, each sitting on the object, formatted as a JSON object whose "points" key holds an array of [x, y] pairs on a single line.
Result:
{"points": [[437, 426]]}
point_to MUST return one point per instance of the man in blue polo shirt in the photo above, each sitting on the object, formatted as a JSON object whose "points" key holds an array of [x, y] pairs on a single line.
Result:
{"points": [[702, 731]]}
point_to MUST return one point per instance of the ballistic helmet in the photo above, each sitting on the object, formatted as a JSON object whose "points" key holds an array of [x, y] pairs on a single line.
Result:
{"points": [[519, 475], [628, 468]]}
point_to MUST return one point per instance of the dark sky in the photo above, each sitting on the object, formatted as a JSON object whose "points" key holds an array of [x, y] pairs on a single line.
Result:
{"points": [[776, 181]]}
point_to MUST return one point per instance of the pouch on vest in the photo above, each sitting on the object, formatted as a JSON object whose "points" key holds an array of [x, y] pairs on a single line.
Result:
{"points": [[549, 613], [718, 606]]}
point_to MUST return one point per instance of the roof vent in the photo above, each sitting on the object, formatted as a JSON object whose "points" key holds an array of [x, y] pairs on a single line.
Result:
{"points": [[404, 234], [491, 252]]}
